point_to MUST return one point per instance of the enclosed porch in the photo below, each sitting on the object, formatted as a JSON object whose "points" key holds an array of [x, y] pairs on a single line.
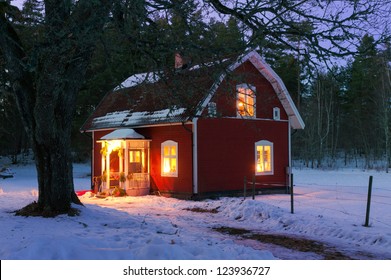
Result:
{"points": [[125, 164]]}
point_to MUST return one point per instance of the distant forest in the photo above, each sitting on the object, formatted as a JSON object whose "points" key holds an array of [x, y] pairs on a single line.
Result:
{"points": [[346, 107]]}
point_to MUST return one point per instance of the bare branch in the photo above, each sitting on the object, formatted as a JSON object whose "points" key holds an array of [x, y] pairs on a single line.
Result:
{"points": [[337, 26]]}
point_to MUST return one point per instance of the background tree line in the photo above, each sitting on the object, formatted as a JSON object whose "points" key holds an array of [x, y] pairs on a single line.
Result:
{"points": [[347, 110]]}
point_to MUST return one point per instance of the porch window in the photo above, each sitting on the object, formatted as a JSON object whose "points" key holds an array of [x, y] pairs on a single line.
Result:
{"points": [[245, 103], [263, 158], [169, 158]]}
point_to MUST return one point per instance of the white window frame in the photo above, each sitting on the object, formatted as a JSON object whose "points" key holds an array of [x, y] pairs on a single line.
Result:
{"points": [[264, 143], [276, 114], [169, 143], [246, 87], [212, 109]]}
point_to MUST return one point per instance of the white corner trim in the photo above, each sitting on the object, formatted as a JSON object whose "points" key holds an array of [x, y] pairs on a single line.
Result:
{"points": [[195, 156]]}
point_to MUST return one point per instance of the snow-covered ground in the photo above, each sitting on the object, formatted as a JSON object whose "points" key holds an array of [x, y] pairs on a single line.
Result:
{"points": [[329, 207]]}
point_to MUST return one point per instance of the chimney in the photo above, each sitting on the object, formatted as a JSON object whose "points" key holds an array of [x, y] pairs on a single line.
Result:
{"points": [[181, 62], [178, 61]]}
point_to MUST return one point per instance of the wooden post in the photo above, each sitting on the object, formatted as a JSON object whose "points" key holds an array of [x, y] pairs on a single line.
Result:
{"points": [[244, 187], [368, 201], [291, 188], [253, 189], [126, 171], [108, 169]]}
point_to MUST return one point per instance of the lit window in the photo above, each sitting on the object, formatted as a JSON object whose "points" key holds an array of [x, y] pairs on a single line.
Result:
{"points": [[263, 158], [169, 159], [245, 100]]}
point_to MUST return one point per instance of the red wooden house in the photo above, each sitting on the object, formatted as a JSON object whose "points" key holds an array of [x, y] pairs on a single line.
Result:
{"points": [[196, 131]]}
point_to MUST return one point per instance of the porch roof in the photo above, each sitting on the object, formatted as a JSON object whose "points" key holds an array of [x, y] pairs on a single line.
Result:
{"points": [[123, 133]]}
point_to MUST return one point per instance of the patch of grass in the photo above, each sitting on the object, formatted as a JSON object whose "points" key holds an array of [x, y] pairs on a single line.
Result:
{"points": [[293, 243], [299, 244], [232, 231], [202, 210]]}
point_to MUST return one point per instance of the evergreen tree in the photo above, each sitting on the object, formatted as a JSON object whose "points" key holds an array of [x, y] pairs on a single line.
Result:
{"points": [[322, 114], [360, 103], [33, 12]]}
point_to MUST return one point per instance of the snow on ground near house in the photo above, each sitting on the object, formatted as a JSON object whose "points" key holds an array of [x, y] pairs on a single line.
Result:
{"points": [[329, 207]]}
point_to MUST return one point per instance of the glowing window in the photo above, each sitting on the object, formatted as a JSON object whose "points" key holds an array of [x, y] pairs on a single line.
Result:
{"points": [[169, 157], [263, 158], [245, 103]]}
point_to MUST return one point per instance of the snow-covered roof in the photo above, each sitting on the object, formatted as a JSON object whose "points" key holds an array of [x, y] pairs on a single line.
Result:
{"points": [[123, 133], [128, 118], [174, 98], [137, 79], [153, 98]]}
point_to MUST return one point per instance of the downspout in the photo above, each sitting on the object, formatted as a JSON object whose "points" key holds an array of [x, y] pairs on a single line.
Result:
{"points": [[289, 156], [195, 157], [93, 161]]}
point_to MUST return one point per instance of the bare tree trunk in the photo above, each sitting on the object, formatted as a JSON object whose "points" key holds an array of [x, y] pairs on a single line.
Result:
{"points": [[46, 96], [55, 180]]}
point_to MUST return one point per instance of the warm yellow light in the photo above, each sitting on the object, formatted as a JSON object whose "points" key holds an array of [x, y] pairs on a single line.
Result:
{"points": [[173, 150], [169, 160], [263, 159], [173, 165], [246, 102], [166, 165], [113, 145]]}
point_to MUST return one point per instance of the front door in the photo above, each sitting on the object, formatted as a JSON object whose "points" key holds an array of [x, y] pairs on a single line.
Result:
{"points": [[137, 182]]}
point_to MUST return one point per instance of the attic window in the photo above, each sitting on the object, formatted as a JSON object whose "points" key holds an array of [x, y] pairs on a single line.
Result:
{"points": [[263, 158], [245, 103], [212, 109], [276, 113], [169, 159]]}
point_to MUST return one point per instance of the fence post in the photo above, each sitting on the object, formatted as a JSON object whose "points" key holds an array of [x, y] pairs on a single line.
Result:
{"points": [[253, 190], [244, 187], [368, 201], [291, 188]]}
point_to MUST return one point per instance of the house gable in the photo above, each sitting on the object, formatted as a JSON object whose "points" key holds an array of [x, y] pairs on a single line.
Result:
{"points": [[242, 72], [247, 76]]}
